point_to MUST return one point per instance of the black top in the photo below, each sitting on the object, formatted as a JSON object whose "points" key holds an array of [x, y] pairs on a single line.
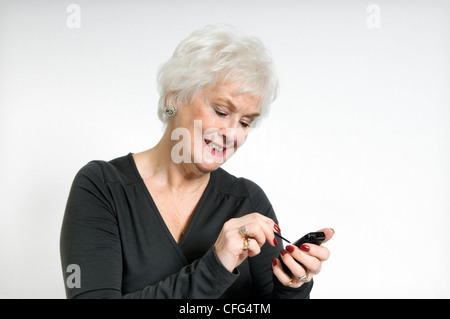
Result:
{"points": [[113, 231]]}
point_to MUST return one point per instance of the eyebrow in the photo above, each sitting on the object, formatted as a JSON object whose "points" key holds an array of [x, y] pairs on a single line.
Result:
{"points": [[229, 103]]}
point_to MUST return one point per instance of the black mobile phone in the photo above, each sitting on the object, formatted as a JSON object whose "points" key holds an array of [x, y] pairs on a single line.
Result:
{"points": [[315, 238]]}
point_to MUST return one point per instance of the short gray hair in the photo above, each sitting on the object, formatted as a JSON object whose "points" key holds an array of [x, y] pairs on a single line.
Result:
{"points": [[212, 53]]}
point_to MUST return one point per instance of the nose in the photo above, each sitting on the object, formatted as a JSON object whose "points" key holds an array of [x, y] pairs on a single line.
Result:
{"points": [[228, 128], [231, 124], [233, 134], [223, 136]]}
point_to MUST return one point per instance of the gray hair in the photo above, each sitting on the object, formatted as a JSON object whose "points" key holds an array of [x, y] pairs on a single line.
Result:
{"points": [[213, 53]]}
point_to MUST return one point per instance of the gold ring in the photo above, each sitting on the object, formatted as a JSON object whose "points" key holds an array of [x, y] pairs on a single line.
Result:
{"points": [[245, 244], [290, 282], [243, 231]]}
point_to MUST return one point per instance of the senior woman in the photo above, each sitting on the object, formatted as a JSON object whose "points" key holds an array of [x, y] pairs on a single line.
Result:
{"points": [[168, 222]]}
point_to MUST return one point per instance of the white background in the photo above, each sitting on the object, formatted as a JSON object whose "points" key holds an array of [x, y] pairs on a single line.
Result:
{"points": [[358, 139]]}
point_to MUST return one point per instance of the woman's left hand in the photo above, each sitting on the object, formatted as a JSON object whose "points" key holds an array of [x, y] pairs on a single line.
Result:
{"points": [[310, 255]]}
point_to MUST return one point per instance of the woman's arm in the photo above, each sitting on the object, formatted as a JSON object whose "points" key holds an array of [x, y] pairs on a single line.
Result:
{"points": [[91, 240]]}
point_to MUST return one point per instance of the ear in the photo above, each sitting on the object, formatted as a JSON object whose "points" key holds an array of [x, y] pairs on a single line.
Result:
{"points": [[170, 99]]}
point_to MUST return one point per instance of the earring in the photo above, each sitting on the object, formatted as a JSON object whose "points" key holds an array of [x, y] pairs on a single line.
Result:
{"points": [[170, 110]]}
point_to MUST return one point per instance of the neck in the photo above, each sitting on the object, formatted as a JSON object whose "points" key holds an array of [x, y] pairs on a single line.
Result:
{"points": [[157, 163]]}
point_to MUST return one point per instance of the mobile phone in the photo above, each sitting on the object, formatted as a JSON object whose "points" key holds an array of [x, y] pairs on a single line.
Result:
{"points": [[315, 238]]}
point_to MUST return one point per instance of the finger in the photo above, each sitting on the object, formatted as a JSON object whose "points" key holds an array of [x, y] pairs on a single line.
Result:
{"points": [[320, 252], [255, 232], [268, 226], [311, 263], [261, 228], [329, 232], [296, 269], [283, 277], [253, 248], [249, 218]]}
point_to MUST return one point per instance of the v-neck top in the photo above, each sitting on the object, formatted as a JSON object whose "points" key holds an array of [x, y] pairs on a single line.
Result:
{"points": [[114, 234]]}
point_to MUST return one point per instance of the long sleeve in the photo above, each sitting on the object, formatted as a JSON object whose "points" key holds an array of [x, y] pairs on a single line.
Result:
{"points": [[205, 278], [91, 239]]}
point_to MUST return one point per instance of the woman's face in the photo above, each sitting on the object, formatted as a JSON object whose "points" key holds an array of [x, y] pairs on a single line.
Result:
{"points": [[218, 120]]}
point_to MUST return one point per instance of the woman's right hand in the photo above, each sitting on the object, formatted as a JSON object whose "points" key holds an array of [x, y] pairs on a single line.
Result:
{"points": [[229, 245]]}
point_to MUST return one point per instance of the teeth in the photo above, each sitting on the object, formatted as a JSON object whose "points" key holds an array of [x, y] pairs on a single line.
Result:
{"points": [[214, 146]]}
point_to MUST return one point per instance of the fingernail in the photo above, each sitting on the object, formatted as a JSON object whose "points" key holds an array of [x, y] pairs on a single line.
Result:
{"points": [[290, 248], [332, 230], [283, 252], [304, 247], [277, 229], [275, 241], [274, 261]]}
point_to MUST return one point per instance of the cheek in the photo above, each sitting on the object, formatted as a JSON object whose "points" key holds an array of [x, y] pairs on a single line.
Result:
{"points": [[241, 138]]}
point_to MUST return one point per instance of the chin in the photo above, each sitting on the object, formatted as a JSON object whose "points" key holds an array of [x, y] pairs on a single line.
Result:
{"points": [[210, 157], [207, 167], [210, 162]]}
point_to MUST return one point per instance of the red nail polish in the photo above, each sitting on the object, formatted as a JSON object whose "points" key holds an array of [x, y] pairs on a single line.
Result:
{"points": [[290, 248], [275, 242], [283, 252], [304, 247], [274, 261], [277, 229]]}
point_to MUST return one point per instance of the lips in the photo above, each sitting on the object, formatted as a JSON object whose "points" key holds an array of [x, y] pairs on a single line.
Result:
{"points": [[216, 149]]}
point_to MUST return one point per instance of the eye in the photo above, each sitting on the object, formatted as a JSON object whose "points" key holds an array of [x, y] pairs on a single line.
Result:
{"points": [[245, 124], [220, 113]]}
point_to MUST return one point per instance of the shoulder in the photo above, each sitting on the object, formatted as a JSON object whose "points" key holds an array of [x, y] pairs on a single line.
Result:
{"points": [[245, 189], [118, 170], [237, 186]]}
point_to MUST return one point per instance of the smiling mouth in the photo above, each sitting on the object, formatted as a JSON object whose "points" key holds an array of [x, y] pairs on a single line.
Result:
{"points": [[215, 149]]}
